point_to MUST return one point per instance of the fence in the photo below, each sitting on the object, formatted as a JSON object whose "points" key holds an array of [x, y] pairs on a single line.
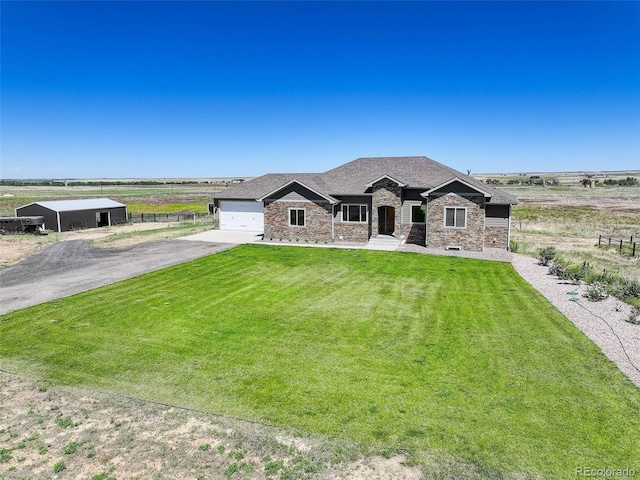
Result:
{"points": [[628, 247], [165, 217]]}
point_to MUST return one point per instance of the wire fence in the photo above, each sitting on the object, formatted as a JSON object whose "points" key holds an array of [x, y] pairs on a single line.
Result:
{"points": [[165, 217], [627, 247]]}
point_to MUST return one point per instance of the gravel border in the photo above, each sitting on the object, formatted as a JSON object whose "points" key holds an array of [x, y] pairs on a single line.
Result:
{"points": [[603, 322]]}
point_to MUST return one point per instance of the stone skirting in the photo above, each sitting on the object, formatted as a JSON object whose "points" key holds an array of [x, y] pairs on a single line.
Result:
{"points": [[496, 237], [351, 232], [413, 233]]}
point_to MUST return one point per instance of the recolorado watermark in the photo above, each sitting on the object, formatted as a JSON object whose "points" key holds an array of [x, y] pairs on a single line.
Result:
{"points": [[605, 472]]}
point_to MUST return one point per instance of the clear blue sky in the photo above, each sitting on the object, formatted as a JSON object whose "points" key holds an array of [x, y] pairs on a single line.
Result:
{"points": [[208, 89]]}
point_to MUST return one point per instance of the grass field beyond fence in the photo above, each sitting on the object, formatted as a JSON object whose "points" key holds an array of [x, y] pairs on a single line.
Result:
{"points": [[455, 360]]}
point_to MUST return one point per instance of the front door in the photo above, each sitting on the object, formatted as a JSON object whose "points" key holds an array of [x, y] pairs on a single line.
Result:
{"points": [[386, 220]]}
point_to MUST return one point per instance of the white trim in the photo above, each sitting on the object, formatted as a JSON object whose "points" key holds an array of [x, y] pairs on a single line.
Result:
{"points": [[360, 205], [304, 216], [455, 217], [455, 179], [330, 199], [400, 184]]}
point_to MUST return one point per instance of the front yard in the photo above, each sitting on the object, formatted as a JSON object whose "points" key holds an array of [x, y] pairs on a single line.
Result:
{"points": [[453, 360]]}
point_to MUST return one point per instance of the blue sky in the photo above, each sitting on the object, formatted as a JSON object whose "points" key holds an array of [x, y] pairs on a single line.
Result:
{"points": [[218, 89]]}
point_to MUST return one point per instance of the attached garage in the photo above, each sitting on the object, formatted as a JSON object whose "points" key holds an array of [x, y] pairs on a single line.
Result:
{"points": [[65, 215], [241, 215]]}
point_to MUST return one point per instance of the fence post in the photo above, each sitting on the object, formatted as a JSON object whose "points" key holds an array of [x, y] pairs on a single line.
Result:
{"points": [[633, 250], [599, 239], [609, 241], [620, 245]]}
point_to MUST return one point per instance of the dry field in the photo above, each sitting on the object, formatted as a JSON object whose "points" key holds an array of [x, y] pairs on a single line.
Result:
{"points": [[102, 436], [571, 220]]}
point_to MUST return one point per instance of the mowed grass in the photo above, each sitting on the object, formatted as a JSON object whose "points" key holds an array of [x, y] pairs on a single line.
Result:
{"points": [[448, 358]]}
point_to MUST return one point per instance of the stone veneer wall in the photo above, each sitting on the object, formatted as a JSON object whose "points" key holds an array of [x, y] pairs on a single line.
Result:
{"points": [[351, 232], [317, 221], [499, 234], [386, 193], [469, 238], [216, 219], [413, 232]]}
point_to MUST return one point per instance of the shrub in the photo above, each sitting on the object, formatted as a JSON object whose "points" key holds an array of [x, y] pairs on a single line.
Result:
{"points": [[634, 316], [546, 255], [5, 455], [58, 467], [575, 273], [71, 448], [513, 246], [602, 277], [596, 292], [557, 270], [630, 288]]}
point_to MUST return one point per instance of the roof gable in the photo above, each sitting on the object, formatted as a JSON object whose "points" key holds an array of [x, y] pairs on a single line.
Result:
{"points": [[329, 198], [454, 180], [386, 177]]}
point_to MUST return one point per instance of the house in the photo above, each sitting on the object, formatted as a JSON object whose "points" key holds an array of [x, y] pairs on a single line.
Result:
{"points": [[65, 215], [415, 199]]}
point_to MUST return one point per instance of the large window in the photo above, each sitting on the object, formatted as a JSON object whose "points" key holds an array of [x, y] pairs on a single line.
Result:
{"points": [[455, 217], [354, 213], [296, 217], [417, 213]]}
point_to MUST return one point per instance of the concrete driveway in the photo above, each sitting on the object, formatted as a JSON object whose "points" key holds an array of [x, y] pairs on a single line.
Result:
{"points": [[226, 236]]}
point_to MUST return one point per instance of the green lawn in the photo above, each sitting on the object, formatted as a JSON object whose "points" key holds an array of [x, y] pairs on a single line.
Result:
{"points": [[449, 358]]}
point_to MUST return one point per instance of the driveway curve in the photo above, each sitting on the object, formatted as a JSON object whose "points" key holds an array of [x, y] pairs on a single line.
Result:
{"points": [[69, 267]]}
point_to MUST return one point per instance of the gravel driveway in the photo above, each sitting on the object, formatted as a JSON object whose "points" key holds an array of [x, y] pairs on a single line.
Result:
{"points": [[74, 266]]}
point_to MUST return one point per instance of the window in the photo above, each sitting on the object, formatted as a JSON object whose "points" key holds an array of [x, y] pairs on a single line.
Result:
{"points": [[354, 213], [417, 213], [455, 217], [296, 217]]}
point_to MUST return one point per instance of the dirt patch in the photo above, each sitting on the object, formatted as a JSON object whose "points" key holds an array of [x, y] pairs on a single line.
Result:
{"points": [[16, 247], [93, 433], [618, 203]]}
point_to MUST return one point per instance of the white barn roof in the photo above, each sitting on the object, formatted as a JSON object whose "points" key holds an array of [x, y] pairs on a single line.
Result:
{"points": [[75, 205]]}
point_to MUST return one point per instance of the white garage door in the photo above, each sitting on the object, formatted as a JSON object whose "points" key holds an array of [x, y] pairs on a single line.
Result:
{"points": [[237, 215]]}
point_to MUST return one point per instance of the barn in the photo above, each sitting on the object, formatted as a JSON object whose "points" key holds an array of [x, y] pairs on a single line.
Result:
{"points": [[65, 215]]}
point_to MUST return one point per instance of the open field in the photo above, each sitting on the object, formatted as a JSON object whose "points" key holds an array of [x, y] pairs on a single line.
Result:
{"points": [[572, 220], [567, 179], [138, 198], [394, 351]]}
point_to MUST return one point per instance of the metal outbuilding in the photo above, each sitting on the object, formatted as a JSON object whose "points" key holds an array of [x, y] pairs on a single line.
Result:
{"points": [[65, 215]]}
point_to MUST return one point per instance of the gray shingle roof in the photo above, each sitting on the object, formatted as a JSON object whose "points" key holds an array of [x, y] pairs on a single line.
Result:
{"points": [[353, 178]]}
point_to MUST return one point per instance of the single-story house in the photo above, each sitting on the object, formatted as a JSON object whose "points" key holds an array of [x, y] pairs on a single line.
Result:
{"points": [[415, 199], [65, 215]]}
